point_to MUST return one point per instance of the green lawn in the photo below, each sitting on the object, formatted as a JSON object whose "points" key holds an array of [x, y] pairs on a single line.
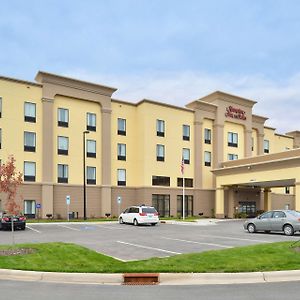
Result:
{"points": [[62, 257]]}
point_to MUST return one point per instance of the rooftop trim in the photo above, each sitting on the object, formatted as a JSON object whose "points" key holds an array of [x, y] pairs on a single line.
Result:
{"points": [[20, 81]]}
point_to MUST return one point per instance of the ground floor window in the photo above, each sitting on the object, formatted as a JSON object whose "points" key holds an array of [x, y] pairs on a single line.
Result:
{"points": [[188, 203], [29, 208], [248, 207], [161, 204]]}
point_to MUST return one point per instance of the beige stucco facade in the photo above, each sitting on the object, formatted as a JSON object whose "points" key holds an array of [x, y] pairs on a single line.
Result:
{"points": [[208, 132]]}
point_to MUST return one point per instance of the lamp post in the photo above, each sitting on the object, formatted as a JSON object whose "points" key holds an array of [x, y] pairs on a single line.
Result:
{"points": [[84, 180]]}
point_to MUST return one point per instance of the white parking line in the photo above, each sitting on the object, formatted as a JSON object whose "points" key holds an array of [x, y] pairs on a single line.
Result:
{"points": [[193, 242], [33, 229], [150, 248], [232, 238], [112, 228], [71, 228]]}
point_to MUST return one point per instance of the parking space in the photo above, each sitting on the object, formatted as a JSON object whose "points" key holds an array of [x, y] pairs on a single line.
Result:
{"points": [[127, 242]]}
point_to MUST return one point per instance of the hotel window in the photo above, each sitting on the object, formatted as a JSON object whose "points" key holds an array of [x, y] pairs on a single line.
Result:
{"points": [[29, 208], [186, 155], [160, 152], [161, 204], [62, 171], [29, 112], [63, 117], [252, 144], [232, 156], [29, 171], [121, 126], [186, 132], [91, 122], [91, 148], [266, 146], [122, 177], [188, 182], [160, 128], [207, 158], [121, 151], [0, 139], [29, 141], [63, 145], [232, 139], [287, 190], [207, 136], [0, 107], [188, 203], [91, 175], [161, 180]]}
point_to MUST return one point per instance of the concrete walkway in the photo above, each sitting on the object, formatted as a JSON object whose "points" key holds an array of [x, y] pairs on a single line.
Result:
{"points": [[164, 278]]}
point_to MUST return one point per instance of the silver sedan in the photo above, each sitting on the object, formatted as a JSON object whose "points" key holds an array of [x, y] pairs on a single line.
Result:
{"points": [[287, 221]]}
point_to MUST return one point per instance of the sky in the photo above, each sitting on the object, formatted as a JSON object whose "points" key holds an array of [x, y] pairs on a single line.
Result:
{"points": [[168, 51]]}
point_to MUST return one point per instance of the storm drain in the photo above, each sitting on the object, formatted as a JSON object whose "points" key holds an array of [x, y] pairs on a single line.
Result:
{"points": [[140, 278]]}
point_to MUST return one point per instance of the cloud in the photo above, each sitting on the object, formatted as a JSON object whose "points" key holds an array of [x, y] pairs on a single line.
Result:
{"points": [[279, 101]]}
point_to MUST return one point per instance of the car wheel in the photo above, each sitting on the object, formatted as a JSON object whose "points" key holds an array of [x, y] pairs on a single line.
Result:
{"points": [[251, 228], [23, 227], [121, 221], [135, 222], [267, 231], [288, 230], [153, 224]]}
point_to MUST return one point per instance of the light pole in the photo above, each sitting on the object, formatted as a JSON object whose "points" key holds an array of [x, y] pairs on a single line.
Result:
{"points": [[84, 180]]}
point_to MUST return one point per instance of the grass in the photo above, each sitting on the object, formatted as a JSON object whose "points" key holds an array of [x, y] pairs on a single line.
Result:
{"points": [[63, 257]]}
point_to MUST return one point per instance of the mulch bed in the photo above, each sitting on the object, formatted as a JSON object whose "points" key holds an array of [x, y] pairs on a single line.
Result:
{"points": [[20, 251]]}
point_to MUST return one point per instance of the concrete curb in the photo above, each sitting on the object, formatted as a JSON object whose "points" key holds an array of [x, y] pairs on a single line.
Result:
{"points": [[164, 278]]}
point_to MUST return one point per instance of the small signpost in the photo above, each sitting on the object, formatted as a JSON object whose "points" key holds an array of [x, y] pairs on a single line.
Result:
{"points": [[68, 201], [38, 207], [119, 200]]}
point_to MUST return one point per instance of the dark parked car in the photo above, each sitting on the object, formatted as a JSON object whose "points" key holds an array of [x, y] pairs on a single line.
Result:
{"points": [[19, 222], [287, 221]]}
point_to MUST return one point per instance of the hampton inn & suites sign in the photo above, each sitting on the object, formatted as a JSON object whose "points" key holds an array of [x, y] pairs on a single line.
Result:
{"points": [[235, 113]]}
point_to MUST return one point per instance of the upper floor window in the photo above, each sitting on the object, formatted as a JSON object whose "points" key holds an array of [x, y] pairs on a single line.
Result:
{"points": [[266, 146], [287, 190], [121, 151], [91, 122], [160, 152], [63, 145], [91, 175], [0, 107], [188, 182], [207, 136], [252, 144], [207, 158], [30, 112], [232, 156], [161, 180], [232, 139], [0, 140], [122, 177], [63, 117], [186, 132], [186, 155], [160, 128], [62, 173], [29, 171], [91, 148], [121, 126], [29, 141]]}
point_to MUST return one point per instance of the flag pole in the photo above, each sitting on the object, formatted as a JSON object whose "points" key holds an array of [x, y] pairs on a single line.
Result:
{"points": [[183, 197]]}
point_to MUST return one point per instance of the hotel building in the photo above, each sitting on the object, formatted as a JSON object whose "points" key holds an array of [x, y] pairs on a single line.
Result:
{"points": [[133, 151]]}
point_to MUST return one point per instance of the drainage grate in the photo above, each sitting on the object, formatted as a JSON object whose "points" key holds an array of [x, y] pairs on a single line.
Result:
{"points": [[141, 278]]}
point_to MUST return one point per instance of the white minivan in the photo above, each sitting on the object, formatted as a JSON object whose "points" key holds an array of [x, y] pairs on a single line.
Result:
{"points": [[139, 215]]}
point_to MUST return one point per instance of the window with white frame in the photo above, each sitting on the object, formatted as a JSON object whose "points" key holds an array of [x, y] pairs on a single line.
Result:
{"points": [[186, 132], [63, 117], [232, 156], [29, 208], [122, 177], [62, 145], [29, 171], [186, 155], [30, 112], [121, 151], [62, 173], [91, 148], [91, 175], [160, 152], [207, 158], [232, 139], [266, 146], [207, 136], [160, 128], [121, 126], [29, 141], [91, 121]]}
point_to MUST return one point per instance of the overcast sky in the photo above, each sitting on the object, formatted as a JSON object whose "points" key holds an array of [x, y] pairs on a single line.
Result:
{"points": [[169, 51]]}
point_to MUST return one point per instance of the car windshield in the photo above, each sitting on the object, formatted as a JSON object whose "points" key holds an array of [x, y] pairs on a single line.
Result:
{"points": [[149, 210], [295, 213]]}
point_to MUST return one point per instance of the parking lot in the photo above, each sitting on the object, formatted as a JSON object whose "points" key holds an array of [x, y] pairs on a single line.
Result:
{"points": [[127, 242]]}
